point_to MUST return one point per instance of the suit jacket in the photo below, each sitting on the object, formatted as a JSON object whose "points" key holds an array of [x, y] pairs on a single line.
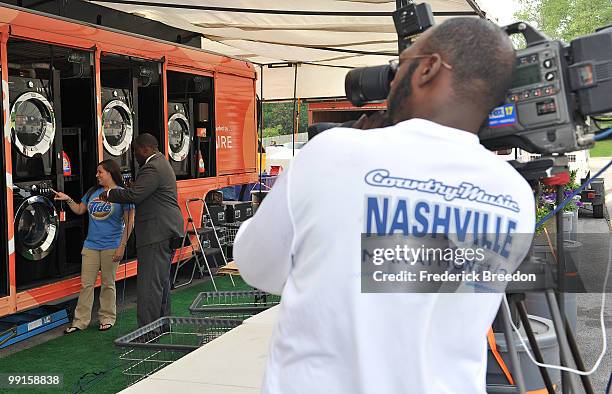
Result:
{"points": [[158, 216]]}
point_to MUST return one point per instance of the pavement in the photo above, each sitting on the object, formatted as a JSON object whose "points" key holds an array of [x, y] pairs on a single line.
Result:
{"points": [[588, 330]]}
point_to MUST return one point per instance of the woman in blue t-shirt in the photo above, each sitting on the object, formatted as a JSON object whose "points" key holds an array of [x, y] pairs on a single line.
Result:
{"points": [[110, 225]]}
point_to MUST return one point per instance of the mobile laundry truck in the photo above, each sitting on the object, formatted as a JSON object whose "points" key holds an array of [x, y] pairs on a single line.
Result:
{"points": [[76, 93]]}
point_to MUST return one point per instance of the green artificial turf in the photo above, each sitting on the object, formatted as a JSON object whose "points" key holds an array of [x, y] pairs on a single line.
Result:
{"points": [[602, 149], [89, 360]]}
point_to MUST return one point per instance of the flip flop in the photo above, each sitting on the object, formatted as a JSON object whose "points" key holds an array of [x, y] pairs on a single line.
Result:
{"points": [[105, 327], [71, 330]]}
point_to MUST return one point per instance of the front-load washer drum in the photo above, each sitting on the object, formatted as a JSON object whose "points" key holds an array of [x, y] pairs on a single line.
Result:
{"points": [[36, 228], [178, 137], [117, 129], [32, 124]]}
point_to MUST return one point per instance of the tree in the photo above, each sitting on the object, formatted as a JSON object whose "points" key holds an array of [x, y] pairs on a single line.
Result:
{"points": [[279, 117], [272, 131], [565, 19]]}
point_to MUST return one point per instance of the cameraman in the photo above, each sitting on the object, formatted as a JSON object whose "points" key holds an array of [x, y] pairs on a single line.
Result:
{"points": [[304, 242]]}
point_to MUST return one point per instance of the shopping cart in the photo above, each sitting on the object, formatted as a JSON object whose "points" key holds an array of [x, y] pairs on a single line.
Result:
{"points": [[230, 232], [235, 305], [154, 346]]}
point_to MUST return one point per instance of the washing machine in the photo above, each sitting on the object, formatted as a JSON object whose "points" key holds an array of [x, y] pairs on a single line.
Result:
{"points": [[180, 135], [118, 127], [33, 126], [36, 224]]}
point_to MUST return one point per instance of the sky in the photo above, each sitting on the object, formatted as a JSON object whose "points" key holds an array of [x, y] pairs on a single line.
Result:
{"points": [[500, 10]]}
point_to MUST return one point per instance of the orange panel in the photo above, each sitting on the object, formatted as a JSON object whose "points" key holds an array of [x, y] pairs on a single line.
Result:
{"points": [[188, 70], [64, 288], [164, 80], [10, 239], [6, 306], [98, 88], [83, 35], [236, 128]]}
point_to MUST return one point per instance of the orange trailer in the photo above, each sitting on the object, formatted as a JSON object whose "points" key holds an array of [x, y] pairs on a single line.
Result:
{"points": [[230, 127], [339, 111]]}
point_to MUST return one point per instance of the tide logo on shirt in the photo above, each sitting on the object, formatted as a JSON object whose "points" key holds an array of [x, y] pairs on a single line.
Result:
{"points": [[100, 210]]}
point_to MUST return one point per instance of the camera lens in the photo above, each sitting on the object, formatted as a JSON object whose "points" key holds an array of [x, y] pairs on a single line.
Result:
{"points": [[367, 84]]}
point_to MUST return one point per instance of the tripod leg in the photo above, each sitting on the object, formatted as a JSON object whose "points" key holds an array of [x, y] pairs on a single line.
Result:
{"points": [[564, 349], [586, 382], [520, 306], [517, 372]]}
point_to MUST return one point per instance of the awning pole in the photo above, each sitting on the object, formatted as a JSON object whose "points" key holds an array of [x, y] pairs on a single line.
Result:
{"points": [[294, 105], [260, 148]]}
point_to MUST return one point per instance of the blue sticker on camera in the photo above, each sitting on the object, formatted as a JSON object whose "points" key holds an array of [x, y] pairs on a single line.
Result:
{"points": [[503, 116]]}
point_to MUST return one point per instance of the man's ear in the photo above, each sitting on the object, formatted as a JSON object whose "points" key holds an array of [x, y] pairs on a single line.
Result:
{"points": [[429, 69]]}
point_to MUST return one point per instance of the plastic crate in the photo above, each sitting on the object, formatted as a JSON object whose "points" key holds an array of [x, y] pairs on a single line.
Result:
{"points": [[152, 347], [235, 305]]}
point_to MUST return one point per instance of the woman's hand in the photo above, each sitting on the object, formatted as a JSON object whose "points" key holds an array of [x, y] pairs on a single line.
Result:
{"points": [[119, 252], [61, 196]]}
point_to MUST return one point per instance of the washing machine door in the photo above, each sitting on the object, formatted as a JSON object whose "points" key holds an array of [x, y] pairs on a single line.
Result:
{"points": [[178, 137], [117, 127], [32, 124], [36, 228]]}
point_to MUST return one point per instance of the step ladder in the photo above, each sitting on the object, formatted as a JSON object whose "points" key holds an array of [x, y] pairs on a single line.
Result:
{"points": [[199, 253]]}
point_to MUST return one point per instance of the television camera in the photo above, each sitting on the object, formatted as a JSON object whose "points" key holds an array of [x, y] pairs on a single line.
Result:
{"points": [[556, 87]]}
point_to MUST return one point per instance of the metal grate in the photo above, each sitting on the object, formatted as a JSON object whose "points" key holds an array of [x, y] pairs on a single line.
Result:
{"points": [[239, 305], [154, 346], [231, 229]]}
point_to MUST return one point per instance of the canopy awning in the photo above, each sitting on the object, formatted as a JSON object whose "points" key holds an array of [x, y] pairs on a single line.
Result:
{"points": [[317, 40]]}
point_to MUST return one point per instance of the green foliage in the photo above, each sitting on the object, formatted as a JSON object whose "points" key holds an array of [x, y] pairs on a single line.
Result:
{"points": [[602, 149], [278, 118], [565, 19], [547, 200], [272, 131]]}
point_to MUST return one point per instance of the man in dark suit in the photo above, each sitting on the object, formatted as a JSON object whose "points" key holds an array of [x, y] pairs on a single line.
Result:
{"points": [[158, 222]]}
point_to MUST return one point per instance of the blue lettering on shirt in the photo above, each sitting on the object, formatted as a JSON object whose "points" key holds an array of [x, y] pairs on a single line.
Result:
{"points": [[465, 191], [387, 215], [400, 219], [380, 217], [105, 222]]}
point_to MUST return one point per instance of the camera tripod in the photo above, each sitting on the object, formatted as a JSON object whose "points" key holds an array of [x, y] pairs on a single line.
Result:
{"points": [[554, 172]]}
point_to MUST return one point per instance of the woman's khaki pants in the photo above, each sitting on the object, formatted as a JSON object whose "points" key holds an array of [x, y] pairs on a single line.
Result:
{"points": [[93, 262]]}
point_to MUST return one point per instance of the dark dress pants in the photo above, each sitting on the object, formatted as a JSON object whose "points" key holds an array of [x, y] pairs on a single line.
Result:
{"points": [[153, 282]]}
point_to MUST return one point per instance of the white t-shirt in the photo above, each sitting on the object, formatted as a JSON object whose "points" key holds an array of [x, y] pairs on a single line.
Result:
{"points": [[304, 242]]}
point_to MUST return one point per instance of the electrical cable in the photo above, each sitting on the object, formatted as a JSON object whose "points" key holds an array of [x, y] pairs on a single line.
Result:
{"points": [[603, 135], [603, 330], [609, 384], [603, 294]]}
